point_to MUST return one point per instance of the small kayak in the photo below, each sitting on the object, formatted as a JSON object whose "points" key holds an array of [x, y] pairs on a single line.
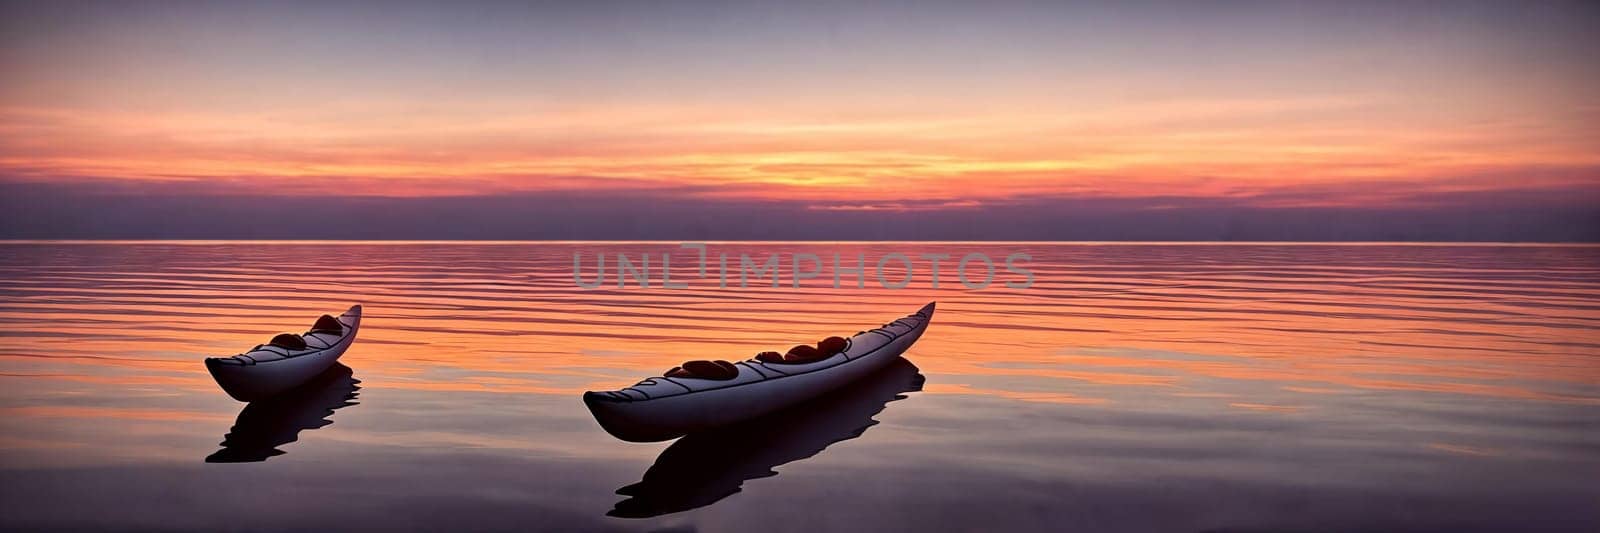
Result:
{"points": [[662, 408], [288, 360]]}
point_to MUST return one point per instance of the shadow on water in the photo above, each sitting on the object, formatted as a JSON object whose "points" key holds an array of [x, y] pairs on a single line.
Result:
{"points": [[266, 424], [703, 468]]}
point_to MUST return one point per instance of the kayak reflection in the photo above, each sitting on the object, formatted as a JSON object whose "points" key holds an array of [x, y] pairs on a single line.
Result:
{"points": [[264, 425], [702, 468]]}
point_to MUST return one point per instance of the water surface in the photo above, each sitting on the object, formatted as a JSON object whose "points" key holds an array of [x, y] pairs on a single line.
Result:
{"points": [[1183, 387]]}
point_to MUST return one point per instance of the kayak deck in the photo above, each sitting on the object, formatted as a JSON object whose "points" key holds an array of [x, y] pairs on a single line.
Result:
{"points": [[752, 371], [316, 342]]}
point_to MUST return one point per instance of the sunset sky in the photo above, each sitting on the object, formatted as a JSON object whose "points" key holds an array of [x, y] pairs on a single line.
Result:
{"points": [[1009, 120]]}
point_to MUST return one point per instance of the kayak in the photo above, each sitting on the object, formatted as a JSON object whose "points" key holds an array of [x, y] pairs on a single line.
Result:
{"points": [[288, 361], [663, 408], [701, 469]]}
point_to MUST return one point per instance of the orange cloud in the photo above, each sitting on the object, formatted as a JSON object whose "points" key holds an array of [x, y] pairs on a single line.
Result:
{"points": [[1349, 149]]}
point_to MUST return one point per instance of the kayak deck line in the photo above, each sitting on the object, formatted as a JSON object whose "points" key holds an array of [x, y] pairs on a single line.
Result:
{"points": [[754, 368]]}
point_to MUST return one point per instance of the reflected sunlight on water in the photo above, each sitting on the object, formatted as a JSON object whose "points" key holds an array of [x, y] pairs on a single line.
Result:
{"points": [[1133, 387]]}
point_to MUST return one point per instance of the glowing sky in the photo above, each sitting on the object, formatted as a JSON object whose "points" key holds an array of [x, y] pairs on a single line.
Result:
{"points": [[854, 106]]}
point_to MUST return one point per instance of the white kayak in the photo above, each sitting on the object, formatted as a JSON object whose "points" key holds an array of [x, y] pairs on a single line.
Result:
{"points": [[662, 408], [269, 369]]}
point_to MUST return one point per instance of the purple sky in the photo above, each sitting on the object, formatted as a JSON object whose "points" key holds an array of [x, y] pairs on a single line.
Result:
{"points": [[1010, 120]]}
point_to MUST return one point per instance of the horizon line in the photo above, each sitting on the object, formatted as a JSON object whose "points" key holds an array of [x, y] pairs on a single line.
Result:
{"points": [[1575, 244]]}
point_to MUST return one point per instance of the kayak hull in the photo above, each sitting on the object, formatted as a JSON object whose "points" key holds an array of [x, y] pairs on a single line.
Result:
{"points": [[667, 417], [254, 380]]}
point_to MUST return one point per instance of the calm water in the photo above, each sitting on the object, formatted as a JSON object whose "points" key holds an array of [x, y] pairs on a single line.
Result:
{"points": [[1133, 388]]}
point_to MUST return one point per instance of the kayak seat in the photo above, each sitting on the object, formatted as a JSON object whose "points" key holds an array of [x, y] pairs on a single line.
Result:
{"points": [[803, 353], [770, 357], [327, 324], [832, 345], [716, 370], [288, 340]]}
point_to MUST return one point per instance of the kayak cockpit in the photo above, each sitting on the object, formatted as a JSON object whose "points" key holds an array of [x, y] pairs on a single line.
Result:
{"points": [[720, 370]]}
